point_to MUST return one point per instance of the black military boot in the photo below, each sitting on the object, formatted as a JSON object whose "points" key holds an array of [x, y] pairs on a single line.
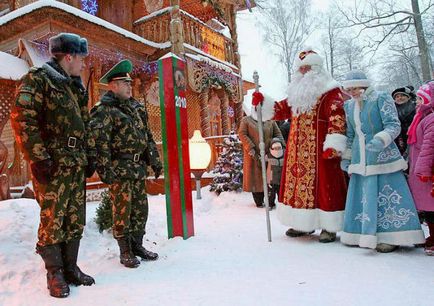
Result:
{"points": [[73, 274], [139, 250], [126, 257], [52, 256]]}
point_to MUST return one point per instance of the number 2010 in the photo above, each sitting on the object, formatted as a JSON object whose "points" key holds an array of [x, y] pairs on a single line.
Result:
{"points": [[180, 102]]}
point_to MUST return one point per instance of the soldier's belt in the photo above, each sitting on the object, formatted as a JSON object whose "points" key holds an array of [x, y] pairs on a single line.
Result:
{"points": [[73, 142], [134, 157]]}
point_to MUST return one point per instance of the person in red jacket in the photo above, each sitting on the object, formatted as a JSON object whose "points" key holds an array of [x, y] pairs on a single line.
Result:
{"points": [[313, 186]]}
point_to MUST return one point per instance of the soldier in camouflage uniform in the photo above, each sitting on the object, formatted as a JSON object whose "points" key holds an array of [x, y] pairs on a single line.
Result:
{"points": [[125, 148], [51, 123]]}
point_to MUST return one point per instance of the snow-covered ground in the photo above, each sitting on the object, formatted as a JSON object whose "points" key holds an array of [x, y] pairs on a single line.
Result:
{"points": [[228, 262]]}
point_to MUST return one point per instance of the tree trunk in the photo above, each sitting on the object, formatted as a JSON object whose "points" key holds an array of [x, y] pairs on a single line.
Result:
{"points": [[423, 48], [332, 53]]}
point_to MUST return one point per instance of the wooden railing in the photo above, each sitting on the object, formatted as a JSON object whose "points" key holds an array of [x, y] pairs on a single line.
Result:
{"points": [[196, 34]]}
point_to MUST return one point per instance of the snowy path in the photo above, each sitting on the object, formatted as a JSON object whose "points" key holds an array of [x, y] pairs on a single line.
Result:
{"points": [[228, 262]]}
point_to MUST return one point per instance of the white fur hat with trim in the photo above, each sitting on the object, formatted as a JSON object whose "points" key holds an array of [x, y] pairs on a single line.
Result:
{"points": [[267, 107], [356, 78], [307, 57]]}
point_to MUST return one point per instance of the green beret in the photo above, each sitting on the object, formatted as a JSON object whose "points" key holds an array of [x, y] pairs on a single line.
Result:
{"points": [[120, 71]]}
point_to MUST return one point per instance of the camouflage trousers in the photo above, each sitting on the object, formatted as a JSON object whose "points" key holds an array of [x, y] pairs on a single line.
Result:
{"points": [[130, 207], [63, 207]]}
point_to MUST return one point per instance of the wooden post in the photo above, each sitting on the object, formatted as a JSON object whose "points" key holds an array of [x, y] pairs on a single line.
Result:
{"points": [[176, 29], [223, 96], [177, 180], [204, 112]]}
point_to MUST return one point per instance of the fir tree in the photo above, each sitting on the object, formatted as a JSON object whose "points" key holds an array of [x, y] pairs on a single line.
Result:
{"points": [[104, 213], [229, 167]]}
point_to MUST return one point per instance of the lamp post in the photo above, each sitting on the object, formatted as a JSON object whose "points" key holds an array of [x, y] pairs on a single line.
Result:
{"points": [[200, 156]]}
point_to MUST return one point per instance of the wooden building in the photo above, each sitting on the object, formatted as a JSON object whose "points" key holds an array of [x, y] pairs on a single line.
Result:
{"points": [[203, 32]]}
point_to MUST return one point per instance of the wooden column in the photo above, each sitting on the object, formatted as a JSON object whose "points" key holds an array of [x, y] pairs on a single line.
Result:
{"points": [[223, 96], [204, 113], [234, 36], [176, 29], [239, 113]]}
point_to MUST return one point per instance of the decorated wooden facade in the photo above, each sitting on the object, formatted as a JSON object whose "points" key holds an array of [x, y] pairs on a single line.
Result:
{"points": [[139, 30]]}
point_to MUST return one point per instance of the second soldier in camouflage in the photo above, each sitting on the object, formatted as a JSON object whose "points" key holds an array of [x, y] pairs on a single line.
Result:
{"points": [[125, 148]]}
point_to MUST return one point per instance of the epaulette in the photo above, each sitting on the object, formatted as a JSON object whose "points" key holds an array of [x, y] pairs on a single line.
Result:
{"points": [[35, 69], [135, 104], [106, 103]]}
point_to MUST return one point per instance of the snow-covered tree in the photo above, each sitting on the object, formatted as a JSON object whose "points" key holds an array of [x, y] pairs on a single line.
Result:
{"points": [[229, 167], [286, 25], [385, 20]]}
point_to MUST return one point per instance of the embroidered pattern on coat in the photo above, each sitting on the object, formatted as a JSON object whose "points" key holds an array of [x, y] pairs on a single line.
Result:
{"points": [[363, 217], [389, 214], [388, 154], [301, 162], [389, 108]]}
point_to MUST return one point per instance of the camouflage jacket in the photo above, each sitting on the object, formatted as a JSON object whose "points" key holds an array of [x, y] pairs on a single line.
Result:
{"points": [[124, 141], [51, 118]]}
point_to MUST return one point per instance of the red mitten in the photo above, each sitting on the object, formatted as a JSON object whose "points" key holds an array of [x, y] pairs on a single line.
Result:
{"points": [[330, 153], [423, 178], [257, 98], [281, 110], [432, 190]]}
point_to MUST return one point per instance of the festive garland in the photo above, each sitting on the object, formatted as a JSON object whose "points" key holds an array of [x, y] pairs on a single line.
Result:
{"points": [[202, 75]]}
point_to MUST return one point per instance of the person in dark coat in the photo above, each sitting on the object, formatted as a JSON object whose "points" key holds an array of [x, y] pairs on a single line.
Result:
{"points": [[274, 169], [284, 126], [405, 102]]}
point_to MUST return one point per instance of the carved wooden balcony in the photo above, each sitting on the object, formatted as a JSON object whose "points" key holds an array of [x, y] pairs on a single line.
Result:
{"points": [[197, 34]]}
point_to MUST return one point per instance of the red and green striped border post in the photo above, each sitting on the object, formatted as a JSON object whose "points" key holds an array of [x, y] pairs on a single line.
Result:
{"points": [[177, 179]]}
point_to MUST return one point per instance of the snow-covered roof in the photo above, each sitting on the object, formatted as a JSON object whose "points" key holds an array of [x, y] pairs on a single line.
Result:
{"points": [[79, 13], [154, 14], [12, 67], [209, 56], [37, 57], [209, 61]]}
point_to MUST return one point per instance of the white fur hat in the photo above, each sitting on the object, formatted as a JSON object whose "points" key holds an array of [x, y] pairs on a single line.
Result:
{"points": [[356, 78], [307, 57], [267, 107]]}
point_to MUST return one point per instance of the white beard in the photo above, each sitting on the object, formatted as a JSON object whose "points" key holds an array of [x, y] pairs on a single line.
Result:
{"points": [[305, 90]]}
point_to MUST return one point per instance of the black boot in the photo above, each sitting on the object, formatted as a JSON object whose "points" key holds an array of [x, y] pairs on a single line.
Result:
{"points": [[139, 250], [52, 256], [126, 257], [73, 274]]}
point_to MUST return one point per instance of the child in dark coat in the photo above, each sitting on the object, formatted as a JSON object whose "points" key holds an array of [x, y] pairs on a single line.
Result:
{"points": [[274, 169]]}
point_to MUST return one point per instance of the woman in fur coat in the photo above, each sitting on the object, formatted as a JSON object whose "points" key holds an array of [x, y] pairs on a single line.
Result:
{"points": [[379, 211], [249, 135]]}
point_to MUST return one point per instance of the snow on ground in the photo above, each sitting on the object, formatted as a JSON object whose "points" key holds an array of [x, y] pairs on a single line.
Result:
{"points": [[228, 262]]}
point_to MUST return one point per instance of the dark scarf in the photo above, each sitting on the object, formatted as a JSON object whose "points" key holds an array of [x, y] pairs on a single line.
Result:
{"points": [[406, 109]]}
